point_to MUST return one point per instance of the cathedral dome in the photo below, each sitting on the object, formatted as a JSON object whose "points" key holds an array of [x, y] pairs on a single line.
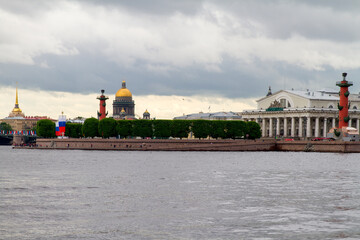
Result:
{"points": [[123, 92]]}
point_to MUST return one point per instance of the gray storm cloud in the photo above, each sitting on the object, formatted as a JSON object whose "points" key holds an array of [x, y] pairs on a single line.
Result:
{"points": [[217, 48]]}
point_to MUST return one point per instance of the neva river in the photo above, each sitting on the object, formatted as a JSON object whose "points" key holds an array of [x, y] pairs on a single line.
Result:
{"points": [[54, 194]]}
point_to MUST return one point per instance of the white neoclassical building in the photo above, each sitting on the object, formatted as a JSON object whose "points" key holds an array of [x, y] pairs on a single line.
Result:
{"points": [[295, 113]]}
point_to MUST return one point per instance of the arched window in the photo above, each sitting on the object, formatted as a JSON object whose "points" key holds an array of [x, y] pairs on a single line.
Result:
{"points": [[355, 107], [331, 106]]}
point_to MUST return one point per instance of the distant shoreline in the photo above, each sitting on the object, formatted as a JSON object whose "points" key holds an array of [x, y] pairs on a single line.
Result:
{"points": [[194, 145]]}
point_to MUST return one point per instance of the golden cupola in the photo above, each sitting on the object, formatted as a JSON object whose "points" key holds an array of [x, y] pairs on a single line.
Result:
{"points": [[123, 91]]}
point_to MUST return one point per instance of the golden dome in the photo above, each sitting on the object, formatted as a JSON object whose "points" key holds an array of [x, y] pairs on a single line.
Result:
{"points": [[123, 92], [16, 110]]}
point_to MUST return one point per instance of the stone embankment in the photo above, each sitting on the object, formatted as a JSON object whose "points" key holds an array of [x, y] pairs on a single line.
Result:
{"points": [[197, 145], [156, 144]]}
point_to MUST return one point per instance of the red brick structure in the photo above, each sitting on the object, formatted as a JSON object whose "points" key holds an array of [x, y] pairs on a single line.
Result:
{"points": [[102, 113], [344, 102]]}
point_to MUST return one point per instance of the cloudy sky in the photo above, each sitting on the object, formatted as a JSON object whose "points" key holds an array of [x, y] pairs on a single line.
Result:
{"points": [[178, 57]]}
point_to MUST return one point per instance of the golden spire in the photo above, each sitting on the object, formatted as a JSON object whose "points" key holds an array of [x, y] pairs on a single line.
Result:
{"points": [[17, 99], [16, 108]]}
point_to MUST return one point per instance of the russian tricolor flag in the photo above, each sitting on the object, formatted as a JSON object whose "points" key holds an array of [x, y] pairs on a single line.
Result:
{"points": [[60, 126]]}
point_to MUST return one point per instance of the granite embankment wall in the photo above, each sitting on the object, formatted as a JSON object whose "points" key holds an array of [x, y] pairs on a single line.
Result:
{"points": [[156, 144], [319, 146], [198, 145]]}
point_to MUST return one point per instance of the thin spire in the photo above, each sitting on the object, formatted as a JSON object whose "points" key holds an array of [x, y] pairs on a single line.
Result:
{"points": [[17, 98], [16, 108]]}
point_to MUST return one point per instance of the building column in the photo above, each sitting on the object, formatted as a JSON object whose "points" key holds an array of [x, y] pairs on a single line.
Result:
{"points": [[317, 127], [325, 127], [300, 127], [285, 127], [333, 122], [350, 122], [358, 124], [270, 127], [264, 127], [308, 127], [292, 127], [278, 127]]}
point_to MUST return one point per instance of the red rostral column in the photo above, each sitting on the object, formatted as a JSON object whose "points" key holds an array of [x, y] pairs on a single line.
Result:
{"points": [[344, 102], [102, 114]]}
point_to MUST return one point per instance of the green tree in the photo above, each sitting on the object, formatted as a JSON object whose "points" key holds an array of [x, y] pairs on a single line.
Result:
{"points": [[201, 128], [5, 127], [217, 129], [107, 127], [235, 129], [180, 128], [253, 130], [162, 128], [91, 128], [142, 128], [73, 130], [45, 128], [124, 128]]}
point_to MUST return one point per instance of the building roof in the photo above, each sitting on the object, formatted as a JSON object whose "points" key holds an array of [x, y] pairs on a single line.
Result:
{"points": [[216, 115], [17, 117], [312, 95], [315, 95]]}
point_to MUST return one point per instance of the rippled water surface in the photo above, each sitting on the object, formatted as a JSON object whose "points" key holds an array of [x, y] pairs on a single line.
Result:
{"points": [[178, 195]]}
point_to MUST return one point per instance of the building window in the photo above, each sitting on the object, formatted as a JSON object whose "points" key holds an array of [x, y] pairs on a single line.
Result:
{"points": [[354, 107], [331, 106]]}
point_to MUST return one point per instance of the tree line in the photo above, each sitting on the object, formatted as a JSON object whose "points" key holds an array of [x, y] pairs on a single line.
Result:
{"points": [[160, 129]]}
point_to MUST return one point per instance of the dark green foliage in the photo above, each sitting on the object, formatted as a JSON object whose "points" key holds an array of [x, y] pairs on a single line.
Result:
{"points": [[45, 128], [73, 130], [235, 129], [201, 128], [5, 127], [180, 128], [107, 127], [124, 128], [142, 128], [162, 128], [253, 130], [217, 129], [91, 127]]}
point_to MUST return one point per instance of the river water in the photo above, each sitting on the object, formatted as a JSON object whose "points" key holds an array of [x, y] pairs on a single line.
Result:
{"points": [[54, 194]]}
